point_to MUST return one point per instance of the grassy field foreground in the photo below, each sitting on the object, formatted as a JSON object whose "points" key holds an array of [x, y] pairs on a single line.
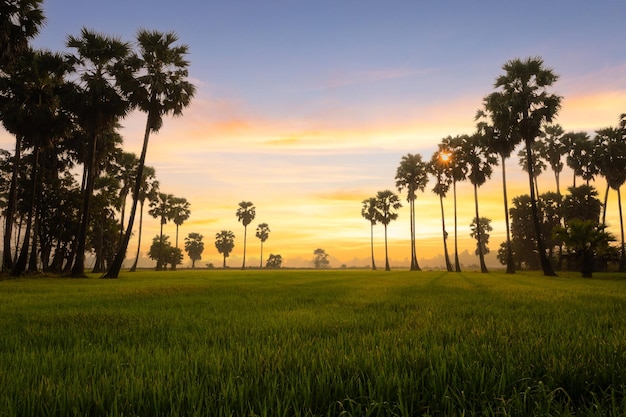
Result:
{"points": [[307, 343]]}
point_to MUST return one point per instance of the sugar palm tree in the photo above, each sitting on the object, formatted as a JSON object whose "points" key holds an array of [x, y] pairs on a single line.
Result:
{"points": [[20, 21], [494, 124], [580, 156], [439, 167], [158, 88], [194, 246], [612, 165], [387, 202], [458, 172], [524, 87], [162, 210], [479, 159], [180, 213], [538, 164], [245, 214], [262, 233], [554, 148], [412, 175], [225, 243], [99, 106], [369, 213], [149, 190]]}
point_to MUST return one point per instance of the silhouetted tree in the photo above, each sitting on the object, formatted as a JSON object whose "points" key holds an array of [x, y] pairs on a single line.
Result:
{"points": [[274, 261], [387, 202], [368, 211], [321, 259], [262, 233], [245, 214], [439, 167], [225, 242], [194, 246]]}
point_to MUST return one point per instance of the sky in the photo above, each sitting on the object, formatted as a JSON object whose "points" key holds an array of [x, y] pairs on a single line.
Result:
{"points": [[306, 107]]}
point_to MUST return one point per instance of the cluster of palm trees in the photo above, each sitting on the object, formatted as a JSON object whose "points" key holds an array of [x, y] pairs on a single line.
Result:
{"points": [[521, 110], [225, 239], [166, 207], [65, 111]]}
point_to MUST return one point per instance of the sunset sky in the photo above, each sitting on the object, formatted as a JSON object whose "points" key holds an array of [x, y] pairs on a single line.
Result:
{"points": [[305, 108]]}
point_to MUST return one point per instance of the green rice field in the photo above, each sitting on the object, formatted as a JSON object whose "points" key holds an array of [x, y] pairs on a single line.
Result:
{"points": [[313, 343]]}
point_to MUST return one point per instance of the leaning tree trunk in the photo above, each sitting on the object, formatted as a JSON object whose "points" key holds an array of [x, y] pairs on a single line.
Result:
{"points": [[510, 262], [445, 237], [414, 264], [545, 262], [622, 258], [134, 267], [387, 268]]}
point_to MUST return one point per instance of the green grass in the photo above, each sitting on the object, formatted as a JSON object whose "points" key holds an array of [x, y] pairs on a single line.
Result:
{"points": [[308, 343]]}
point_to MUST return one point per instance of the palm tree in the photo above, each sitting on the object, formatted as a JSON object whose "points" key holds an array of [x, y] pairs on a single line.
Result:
{"points": [[553, 148], [386, 204], [439, 167], [162, 209], [369, 213], [494, 124], [20, 21], [458, 172], [245, 214], [479, 160], [580, 156], [225, 242], [149, 190], [99, 106], [262, 232], [159, 88], [125, 169], [194, 246], [180, 213], [612, 165], [524, 89], [412, 174], [538, 165]]}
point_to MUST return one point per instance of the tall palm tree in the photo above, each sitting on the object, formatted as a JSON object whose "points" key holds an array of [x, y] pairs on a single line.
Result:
{"points": [[524, 87], [99, 106], [161, 209], [439, 167], [479, 159], [369, 213], [20, 21], [245, 214], [387, 202], [159, 87], [612, 165], [458, 172], [412, 175], [262, 232], [538, 164], [125, 170], [494, 124], [580, 156], [149, 190], [225, 242], [180, 213]]}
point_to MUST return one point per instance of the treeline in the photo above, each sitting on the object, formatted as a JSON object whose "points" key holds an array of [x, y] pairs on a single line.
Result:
{"points": [[546, 231], [65, 112]]}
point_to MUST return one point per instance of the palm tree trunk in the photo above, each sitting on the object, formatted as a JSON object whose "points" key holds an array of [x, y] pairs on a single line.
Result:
{"points": [[622, 259], [7, 260], [545, 262], [457, 264], [414, 264], [224, 266], [510, 262], [116, 265], [134, 267], [606, 199], [387, 268], [159, 265], [481, 256], [372, 245], [261, 263], [245, 232], [445, 237]]}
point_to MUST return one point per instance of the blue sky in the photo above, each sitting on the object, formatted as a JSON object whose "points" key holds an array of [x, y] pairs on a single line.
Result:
{"points": [[305, 107]]}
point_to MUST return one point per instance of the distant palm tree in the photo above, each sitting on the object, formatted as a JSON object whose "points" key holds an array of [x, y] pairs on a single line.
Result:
{"points": [[162, 209], [262, 232], [225, 242], [412, 175], [524, 89], [553, 149], [439, 167], [245, 214], [194, 246], [479, 159], [387, 202], [368, 211], [180, 213], [580, 156], [158, 87]]}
